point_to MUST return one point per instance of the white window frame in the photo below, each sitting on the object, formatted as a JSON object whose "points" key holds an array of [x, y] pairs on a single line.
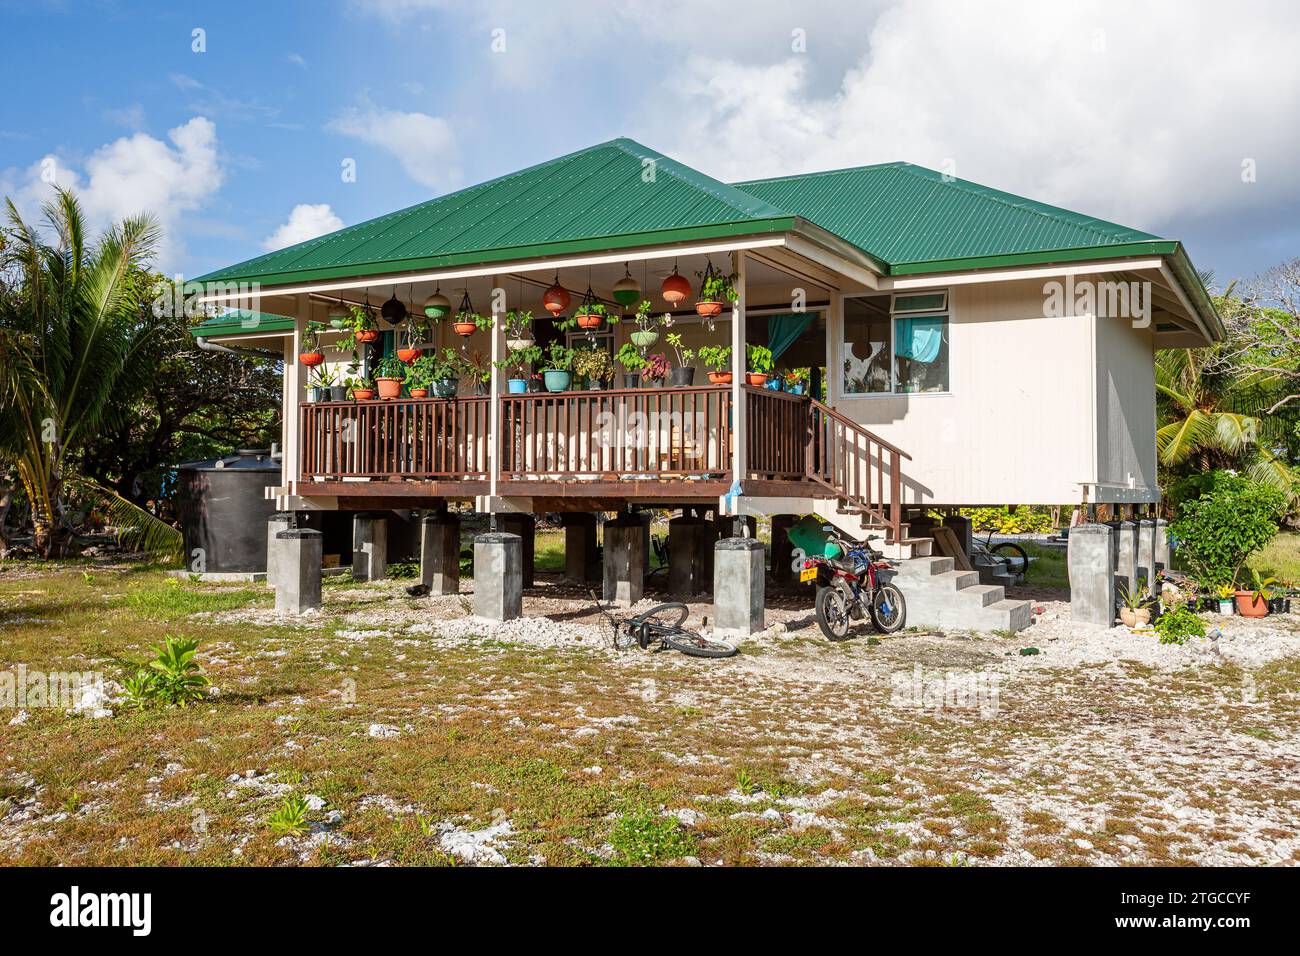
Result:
{"points": [[945, 312]]}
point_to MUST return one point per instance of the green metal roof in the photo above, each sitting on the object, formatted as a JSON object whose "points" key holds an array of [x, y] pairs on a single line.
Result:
{"points": [[602, 197], [242, 321]]}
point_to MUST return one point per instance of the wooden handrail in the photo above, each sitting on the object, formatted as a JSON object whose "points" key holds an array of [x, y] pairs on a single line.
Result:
{"points": [[850, 423]]}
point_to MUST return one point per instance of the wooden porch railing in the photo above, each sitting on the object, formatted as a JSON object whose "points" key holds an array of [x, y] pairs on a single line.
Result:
{"points": [[407, 438], [777, 427], [857, 465], [662, 432]]}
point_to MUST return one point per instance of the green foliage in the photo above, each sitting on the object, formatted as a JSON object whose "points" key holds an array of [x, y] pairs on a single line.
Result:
{"points": [[593, 363], [641, 837], [390, 366], [518, 324], [518, 360], [716, 357], [1178, 625], [684, 355], [290, 818], [717, 287], [1027, 519], [480, 322], [758, 359], [172, 679], [656, 367], [745, 782], [1135, 598], [630, 357], [557, 358], [1218, 531]]}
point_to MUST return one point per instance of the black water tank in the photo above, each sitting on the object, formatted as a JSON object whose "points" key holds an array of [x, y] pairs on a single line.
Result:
{"points": [[223, 510]]}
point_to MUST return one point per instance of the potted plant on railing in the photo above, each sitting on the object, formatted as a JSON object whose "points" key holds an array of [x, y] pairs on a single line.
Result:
{"points": [[311, 355], [327, 386], [477, 367], [420, 376], [1253, 602], [389, 376], [646, 333], [758, 363], [717, 359], [630, 357], [518, 327], [656, 369], [1134, 610], [556, 365], [716, 289], [515, 364], [361, 388], [445, 374], [684, 373], [594, 364], [796, 380]]}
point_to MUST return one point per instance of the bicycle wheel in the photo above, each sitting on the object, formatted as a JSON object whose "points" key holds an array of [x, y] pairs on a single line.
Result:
{"points": [[888, 609], [688, 642], [1017, 558], [833, 613], [663, 615]]}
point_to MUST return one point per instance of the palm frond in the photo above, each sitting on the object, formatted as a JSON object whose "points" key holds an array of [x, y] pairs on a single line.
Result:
{"points": [[138, 530]]}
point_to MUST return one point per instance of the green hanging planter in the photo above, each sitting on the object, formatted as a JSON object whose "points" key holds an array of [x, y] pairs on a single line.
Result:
{"points": [[643, 340], [627, 291]]}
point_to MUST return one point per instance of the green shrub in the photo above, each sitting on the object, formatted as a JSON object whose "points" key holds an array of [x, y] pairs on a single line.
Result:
{"points": [[1217, 532], [642, 837], [290, 818], [1179, 624], [172, 679], [1026, 520]]}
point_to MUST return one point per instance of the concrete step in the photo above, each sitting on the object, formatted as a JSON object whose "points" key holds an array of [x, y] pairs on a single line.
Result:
{"points": [[940, 596]]}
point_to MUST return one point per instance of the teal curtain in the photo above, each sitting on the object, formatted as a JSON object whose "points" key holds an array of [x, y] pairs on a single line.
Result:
{"points": [[919, 339], [784, 330]]}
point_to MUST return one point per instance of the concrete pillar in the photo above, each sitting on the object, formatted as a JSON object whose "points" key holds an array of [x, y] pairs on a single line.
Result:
{"points": [[581, 554], [498, 576], [961, 527], [1125, 545], [782, 549], [369, 546], [737, 587], [690, 542], [524, 525], [440, 553], [297, 587], [1146, 549], [1091, 560], [1162, 544], [625, 550], [279, 521], [726, 525], [645, 518]]}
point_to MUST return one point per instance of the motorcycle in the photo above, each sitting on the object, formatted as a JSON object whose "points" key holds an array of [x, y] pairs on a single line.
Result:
{"points": [[853, 586]]}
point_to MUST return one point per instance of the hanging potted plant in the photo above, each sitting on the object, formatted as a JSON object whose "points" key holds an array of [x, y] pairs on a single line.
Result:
{"points": [[360, 327], [389, 376], [758, 363], [717, 359], [408, 353], [796, 380], [646, 333], [437, 307], [338, 317], [518, 327], [361, 388], [556, 367], [716, 289], [594, 365], [590, 313], [684, 374], [310, 355], [515, 365], [630, 357], [676, 288]]}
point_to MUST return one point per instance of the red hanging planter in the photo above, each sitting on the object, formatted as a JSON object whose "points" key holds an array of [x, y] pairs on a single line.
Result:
{"points": [[556, 298], [367, 335], [311, 359], [408, 355], [708, 309], [676, 288]]}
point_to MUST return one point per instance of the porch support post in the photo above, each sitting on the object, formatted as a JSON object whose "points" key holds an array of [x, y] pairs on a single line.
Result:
{"points": [[494, 389], [498, 577], [1091, 562], [782, 549], [279, 521], [624, 560], [1125, 544], [580, 553], [1162, 544], [298, 587], [737, 587], [369, 546], [1146, 545], [739, 439], [690, 546], [440, 553], [524, 525]]}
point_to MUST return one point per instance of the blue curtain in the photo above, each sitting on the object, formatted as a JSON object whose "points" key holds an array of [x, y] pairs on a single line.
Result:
{"points": [[919, 339], [784, 330]]}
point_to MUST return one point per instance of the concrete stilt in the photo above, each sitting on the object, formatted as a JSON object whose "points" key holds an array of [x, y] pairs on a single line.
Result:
{"points": [[279, 521], [1146, 549], [581, 556], [782, 549], [737, 587], [525, 526], [1091, 560], [1161, 544], [440, 553], [498, 576], [726, 525], [625, 554], [297, 586], [1125, 543], [690, 542], [369, 546]]}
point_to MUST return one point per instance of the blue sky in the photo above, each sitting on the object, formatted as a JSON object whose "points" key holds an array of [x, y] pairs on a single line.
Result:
{"points": [[1174, 118]]}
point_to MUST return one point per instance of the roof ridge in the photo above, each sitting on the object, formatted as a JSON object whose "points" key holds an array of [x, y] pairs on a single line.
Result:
{"points": [[675, 168], [741, 183]]}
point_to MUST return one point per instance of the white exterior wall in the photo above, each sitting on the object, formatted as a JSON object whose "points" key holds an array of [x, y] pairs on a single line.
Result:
{"points": [[1126, 414], [1020, 423]]}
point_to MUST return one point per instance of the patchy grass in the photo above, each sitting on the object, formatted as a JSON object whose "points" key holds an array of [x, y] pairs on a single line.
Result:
{"points": [[1280, 558], [1047, 566]]}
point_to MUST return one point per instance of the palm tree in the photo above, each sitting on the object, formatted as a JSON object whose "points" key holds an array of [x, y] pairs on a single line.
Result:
{"points": [[73, 318]]}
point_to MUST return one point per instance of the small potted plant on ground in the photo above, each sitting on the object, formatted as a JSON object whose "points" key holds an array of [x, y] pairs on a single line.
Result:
{"points": [[515, 365], [647, 333], [556, 365], [595, 365], [796, 380], [389, 376], [758, 363], [361, 388], [1254, 602], [630, 357], [311, 355], [684, 374], [715, 289], [518, 327], [1134, 610], [717, 359], [419, 376], [1225, 595], [656, 369]]}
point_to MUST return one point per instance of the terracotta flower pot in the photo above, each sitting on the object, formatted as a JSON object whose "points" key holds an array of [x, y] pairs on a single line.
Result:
{"points": [[1249, 605], [591, 321], [1135, 617], [556, 299], [756, 378], [389, 387], [368, 335], [720, 378], [464, 328], [675, 289], [363, 394], [311, 359], [708, 309], [419, 393], [408, 355]]}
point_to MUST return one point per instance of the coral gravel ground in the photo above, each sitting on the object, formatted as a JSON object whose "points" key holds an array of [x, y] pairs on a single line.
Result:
{"points": [[417, 735]]}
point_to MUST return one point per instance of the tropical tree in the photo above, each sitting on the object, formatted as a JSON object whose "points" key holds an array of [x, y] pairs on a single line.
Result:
{"points": [[73, 327]]}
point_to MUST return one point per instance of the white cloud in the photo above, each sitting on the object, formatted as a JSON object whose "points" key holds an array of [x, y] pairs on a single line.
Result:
{"points": [[424, 145], [307, 221]]}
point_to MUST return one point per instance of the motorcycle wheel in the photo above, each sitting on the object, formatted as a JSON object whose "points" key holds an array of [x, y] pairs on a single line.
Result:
{"points": [[888, 609], [833, 613]]}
